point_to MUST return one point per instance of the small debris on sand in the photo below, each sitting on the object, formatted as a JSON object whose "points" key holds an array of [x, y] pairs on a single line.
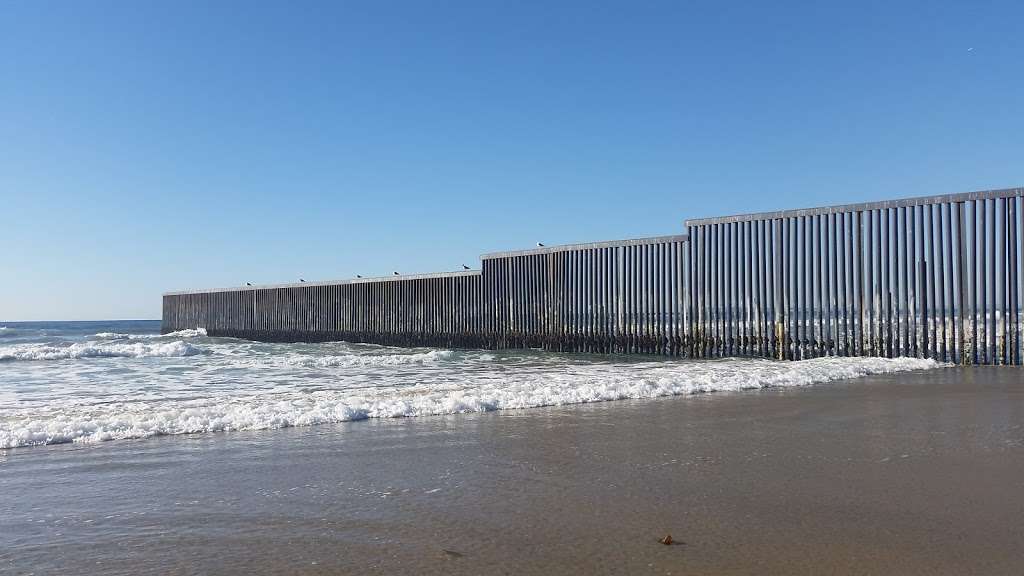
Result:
{"points": [[667, 540], [452, 553]]}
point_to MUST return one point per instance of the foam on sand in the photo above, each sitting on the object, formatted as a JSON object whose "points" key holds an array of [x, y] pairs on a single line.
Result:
{"points": [[450, 393]]}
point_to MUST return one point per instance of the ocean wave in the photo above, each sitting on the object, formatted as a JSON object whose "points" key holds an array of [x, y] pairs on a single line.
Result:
{"points": [[97, 350], [572, 385], [350, 360], [119, 336], [187, 333]]}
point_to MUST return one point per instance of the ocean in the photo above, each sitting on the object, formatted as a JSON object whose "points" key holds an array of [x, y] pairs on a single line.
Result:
{"points": [[88, 382], [124, 452]]}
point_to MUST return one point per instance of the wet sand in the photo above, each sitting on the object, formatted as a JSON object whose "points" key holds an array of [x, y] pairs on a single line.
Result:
{"points": [[914, 473]]}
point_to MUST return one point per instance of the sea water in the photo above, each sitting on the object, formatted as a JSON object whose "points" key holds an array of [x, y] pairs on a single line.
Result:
{"points": [[93, 381]]}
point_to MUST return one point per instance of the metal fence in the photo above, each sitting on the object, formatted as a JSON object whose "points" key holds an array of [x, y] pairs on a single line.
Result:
{"points": [[623, 296], [934, 277], [424, 310]]}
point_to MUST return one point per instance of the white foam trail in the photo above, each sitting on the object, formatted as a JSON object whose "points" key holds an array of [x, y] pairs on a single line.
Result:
{"points": [[351, 360], [97, 350], [188, 333], [462, 392], [114, 336]]}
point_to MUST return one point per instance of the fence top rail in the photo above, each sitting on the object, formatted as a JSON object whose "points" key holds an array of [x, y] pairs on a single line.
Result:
{"points": [[399, 278], [586, 246], [844, 208]]}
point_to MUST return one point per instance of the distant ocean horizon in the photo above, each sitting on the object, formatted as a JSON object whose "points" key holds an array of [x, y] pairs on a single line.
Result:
{"points": [[41, 323]]}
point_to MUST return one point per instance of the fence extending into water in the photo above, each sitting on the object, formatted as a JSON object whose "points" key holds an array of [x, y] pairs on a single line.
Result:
{"points": [[935, 277], [444, 309]]}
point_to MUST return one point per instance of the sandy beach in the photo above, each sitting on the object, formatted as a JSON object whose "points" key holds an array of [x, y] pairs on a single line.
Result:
{"points": [[910, 473]]}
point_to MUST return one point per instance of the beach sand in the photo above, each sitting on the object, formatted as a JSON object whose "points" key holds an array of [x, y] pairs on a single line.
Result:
{"points": [[913, 473]]}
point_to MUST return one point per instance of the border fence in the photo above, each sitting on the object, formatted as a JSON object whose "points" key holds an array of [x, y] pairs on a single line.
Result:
{"points": [[932, 277], [444, 309], [624, 296]]}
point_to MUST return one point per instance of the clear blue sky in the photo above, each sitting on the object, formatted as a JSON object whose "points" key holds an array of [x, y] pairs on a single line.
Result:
{"points": [[151, 146]]}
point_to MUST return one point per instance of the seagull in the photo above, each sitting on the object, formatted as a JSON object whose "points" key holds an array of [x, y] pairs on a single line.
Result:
{"points": [[464, 267], [539, 244], [971, 49]]}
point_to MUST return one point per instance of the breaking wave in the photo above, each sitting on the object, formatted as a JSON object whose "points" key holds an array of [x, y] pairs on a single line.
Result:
{"points": [[189, 333], [364, 359], [479, 388], [68, 351]]}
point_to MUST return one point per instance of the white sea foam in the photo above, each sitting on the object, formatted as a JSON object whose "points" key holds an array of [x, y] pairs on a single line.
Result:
{"points": [[467, 390], [78, 350], [187, 333], [351, 360]]}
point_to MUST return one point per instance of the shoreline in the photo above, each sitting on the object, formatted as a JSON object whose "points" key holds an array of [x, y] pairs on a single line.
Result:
{"points": [[913, 472], [483, 383]]}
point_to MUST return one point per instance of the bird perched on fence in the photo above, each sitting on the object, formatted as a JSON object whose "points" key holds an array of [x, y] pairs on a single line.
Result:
{"points": [[540, 245], [464, 267]]}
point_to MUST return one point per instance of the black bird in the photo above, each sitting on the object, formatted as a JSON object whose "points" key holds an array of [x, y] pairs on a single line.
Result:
{"points": [[358, 276], [464, 267], [301, 280], [539, 244], [248, 283], [396, 274]]}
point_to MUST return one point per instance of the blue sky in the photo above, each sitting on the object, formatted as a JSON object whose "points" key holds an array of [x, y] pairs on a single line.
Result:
{"points": [[152, 146]]}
